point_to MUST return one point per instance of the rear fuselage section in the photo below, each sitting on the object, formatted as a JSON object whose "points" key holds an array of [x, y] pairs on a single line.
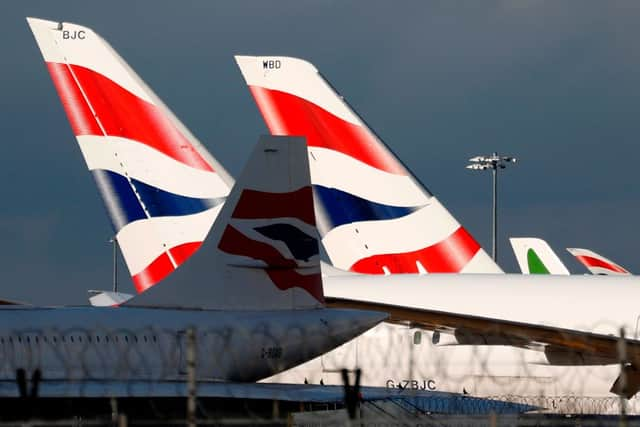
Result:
{"points": [[153, 344]]}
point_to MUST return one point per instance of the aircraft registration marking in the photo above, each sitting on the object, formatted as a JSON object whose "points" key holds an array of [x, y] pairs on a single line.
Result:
{"points": [[425, 384]]}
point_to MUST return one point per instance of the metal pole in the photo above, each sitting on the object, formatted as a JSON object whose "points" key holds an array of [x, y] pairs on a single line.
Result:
{"points": [[191, 377], [493, 162], [622, 388], [115, 264], [494, 248]]}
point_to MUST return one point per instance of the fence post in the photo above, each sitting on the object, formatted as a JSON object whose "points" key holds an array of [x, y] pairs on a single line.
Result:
{"points": [[622, 357], [114, 411], [191, 377], [493, 419], [351, 392]]}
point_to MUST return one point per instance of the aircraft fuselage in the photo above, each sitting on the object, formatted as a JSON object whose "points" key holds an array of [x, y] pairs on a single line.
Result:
{"points": [[152, 344]]}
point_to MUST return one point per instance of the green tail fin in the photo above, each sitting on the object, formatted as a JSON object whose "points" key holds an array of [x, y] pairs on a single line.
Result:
{"points": [[536, 266]]}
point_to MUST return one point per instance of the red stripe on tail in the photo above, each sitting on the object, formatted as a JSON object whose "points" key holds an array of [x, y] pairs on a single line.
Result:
{"points": [[288, 278], [184, 251], [287, 114], [120, 112], [236, 243], [447, 256], [160, 268], [77, 109], [258, 205], [281, 270], [596, 262]]}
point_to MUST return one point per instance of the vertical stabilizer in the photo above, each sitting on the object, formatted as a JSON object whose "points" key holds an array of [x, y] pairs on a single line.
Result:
{"points": [[535, 256], [262, 252], [160, 186], [373, 215], [596, 263]]}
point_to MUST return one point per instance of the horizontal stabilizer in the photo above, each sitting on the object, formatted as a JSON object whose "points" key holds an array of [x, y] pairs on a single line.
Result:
{"points": [[108, 298]]}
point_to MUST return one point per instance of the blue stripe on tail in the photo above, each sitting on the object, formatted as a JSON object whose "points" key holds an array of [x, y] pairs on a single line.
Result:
{"points": [[124, 207], [337, 207], [301, 245]]}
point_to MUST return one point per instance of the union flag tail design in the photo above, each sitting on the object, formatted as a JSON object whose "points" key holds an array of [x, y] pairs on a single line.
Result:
{"points": [[373, 216], [262, 251], [597, 264], [160, 186]]}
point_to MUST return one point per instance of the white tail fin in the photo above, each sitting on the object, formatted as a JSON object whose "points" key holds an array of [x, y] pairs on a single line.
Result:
{"points": [[596, 263], [161, 188], [262, 252], [535, 256], [373, 216]]}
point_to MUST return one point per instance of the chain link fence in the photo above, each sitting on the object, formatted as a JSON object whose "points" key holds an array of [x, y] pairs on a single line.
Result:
{"points": [[162, 377]]}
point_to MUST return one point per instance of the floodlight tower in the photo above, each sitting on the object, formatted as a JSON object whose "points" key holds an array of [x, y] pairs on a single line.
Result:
{"points": [[492, 162]]}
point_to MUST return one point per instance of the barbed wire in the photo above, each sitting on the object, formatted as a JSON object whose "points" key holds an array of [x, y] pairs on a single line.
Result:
{"points": [[146, 358]]}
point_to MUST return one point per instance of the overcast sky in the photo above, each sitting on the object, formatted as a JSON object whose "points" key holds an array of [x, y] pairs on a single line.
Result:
{"points": [[552, 83]]}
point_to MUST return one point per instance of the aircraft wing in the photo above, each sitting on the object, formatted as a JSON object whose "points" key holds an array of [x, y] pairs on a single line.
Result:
{"points": [[474, 330], [432, 401], [561, 346]]}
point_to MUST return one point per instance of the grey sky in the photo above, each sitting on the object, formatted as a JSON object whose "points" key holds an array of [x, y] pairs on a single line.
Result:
{"points": [[553, 83]]}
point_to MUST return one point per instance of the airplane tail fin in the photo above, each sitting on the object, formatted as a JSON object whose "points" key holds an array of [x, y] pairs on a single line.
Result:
{"points": [[160, 186], [535, 256], [373, 216], [596, 263], [262, 252]]}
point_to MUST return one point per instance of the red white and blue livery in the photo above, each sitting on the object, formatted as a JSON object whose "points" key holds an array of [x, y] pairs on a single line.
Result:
{"points": [[373, 215], [246, 323], [161, 188]]}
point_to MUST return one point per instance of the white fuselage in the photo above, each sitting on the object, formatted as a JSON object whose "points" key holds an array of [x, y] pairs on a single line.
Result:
{"points": [[590, 304], [391, 355], [152, 344]]}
